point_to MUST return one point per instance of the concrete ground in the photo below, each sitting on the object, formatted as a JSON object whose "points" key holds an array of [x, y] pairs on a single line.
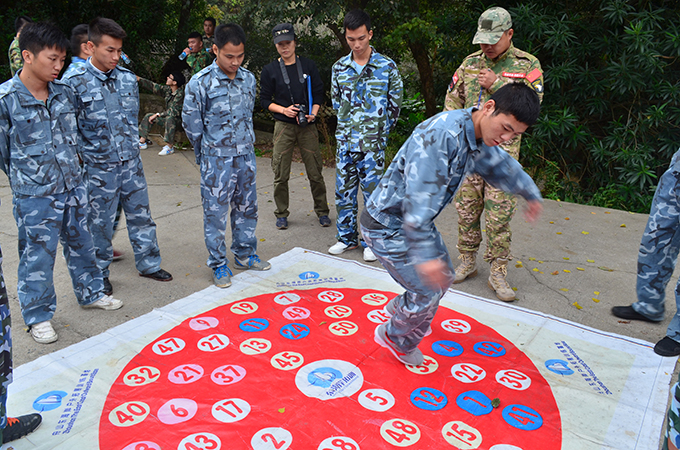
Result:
{"points": [[575, 263]]}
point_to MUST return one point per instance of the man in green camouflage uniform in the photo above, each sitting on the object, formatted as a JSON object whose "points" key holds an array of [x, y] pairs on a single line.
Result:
{"points": [[173, 93], [478, 77], [16, 62], [197, 56], [209, 25]]}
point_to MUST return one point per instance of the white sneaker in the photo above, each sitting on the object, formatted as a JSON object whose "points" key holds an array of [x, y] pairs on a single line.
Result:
{"points": [[369, 256], [143, 145], [106, 303], [340, 247], [43, 333], [167, 150]]}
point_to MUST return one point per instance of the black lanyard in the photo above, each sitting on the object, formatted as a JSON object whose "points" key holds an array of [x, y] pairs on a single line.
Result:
{"points": [[286, 80]]}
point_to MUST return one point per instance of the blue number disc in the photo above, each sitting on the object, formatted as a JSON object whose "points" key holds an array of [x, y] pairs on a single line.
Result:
{"points": [[447, 348], [294, 331], [488, 348], [253, 325], [475, 403], [428, 399], [522, 417]]}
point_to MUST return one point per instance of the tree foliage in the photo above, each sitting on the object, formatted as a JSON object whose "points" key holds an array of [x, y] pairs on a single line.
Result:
{"points": [[610, 120]]}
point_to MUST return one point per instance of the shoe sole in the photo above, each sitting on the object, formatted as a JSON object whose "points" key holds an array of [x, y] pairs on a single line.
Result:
{"points": [[152, 278], [380, 341], [223, 286], [508, 299], [343, 250], [470, 275], [105, 308], [250, 268], [45, 340]]}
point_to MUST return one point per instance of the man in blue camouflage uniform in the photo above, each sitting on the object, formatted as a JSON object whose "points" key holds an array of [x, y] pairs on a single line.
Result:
{"points": [[218, 120], [11, 428], [657, 257], [108, 105], [38, 145], [367, 93], [79, 50], [398, 222]]}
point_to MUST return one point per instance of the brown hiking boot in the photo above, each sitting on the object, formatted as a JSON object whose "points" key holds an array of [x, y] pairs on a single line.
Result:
{"points": [[499, 270], [466, 269]]}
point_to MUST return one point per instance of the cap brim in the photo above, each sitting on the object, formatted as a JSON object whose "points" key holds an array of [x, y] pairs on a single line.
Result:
{"points": [[482, 37], [284, 37]]}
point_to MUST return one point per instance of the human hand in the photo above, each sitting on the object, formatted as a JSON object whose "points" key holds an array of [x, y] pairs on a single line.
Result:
{"points": [[533, 210], [291, 111], [153, 118], [310, 117], [486, 78], [435, 274], [187, 50]]}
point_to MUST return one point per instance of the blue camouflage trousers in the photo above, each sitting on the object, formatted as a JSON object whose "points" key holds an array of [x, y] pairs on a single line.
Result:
{"points": [[659, 250], [229, 181], [124, 182], [42, 222], [5, 349], [415, 308], [351, 170]]}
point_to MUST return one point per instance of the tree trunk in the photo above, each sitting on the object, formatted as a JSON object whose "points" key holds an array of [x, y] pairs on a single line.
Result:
{"points": [[426, 77]]}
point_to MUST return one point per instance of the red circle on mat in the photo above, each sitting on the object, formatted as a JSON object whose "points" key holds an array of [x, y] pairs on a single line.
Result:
{"points": [[335, 386]]}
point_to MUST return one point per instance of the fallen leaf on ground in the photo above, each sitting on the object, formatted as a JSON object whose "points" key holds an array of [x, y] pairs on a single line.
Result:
{"points": [[577, 305], [559, 232], [623, 225], [606, 269], [564, 289], [584, 232], [596, 292], [596, 300], [535, 269], [580, 268], [532, 259], [554, 273], [590, 260], [565, 258], [566, 270]]}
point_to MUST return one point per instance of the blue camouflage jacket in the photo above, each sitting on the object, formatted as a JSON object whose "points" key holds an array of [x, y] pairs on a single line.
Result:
{"points": [[218, 112], [38, 141], [367, 103], [76, 63], [107, 105], [427, 171]]}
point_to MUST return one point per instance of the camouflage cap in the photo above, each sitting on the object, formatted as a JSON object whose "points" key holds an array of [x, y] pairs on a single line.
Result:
{"points": [[491, 25]]}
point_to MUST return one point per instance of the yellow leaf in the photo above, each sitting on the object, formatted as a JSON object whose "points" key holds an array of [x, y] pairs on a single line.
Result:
{"points": [[518, 262], [262, 240], [590, 260], [540, 262], [282, 410], [596, 292], [565, 258], [577, 305], [580, 268], [596, 300], [532, 259], [554, 273], [514, 289], [564, 289], [566, 270], [519, 265], [551, 222], [606, 269], [559, 232], [566, 218], [623, 225], [302, 173], [535, 269], [584, 232], [607, 212], [593, 212]]}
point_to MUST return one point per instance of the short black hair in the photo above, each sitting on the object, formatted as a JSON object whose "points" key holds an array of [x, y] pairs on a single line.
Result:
{"points": [[229, 32], [41, 35], [195, 35], [356, 18], [79, 36], [519, 100], [178, 76], [20, 21], [211, 20], [101, 27]]}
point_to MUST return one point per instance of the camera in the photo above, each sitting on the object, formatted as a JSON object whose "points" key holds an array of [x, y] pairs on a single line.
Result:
{"points": [[302, 115]]}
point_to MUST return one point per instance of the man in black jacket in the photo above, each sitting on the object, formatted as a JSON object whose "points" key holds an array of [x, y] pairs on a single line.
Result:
{"points": [[292, 90]]}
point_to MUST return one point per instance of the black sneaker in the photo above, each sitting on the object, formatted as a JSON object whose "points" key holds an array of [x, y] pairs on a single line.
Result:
{"points": [[18, 427], [667, 347], [108, 287], [282, 223], [628, 313], [325, 221]]}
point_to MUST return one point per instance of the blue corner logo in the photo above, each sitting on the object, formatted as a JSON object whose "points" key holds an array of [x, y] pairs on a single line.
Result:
{"points": [[558, 366], [49, 401], [308, 275]]}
